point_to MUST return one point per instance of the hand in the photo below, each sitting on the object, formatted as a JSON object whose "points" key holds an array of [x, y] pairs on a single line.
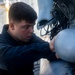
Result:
{"points": [[52, 46], [57, 56], [52, 43]]}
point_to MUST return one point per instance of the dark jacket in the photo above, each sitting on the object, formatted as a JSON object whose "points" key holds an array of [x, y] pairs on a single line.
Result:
{"points": [[17, 58]]}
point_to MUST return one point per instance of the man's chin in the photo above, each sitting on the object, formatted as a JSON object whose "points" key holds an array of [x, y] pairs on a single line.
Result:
{"points": [[26, 40]]}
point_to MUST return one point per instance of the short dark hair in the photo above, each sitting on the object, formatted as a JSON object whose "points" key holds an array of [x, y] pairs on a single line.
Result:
{"points": [[22, 11]]}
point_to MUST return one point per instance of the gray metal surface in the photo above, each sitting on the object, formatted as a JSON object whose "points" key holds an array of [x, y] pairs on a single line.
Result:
{"points": [[58, 67], [45, 7], [65, 45]]}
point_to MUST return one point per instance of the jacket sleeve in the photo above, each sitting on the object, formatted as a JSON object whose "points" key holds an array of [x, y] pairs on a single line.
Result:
{"points": [[20, 55], [50, 56]]}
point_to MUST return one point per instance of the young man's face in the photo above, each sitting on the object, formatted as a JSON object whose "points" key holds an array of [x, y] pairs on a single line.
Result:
{"points": [[23, 31]]}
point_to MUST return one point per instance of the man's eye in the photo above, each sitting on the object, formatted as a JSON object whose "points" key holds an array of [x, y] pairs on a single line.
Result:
{"points": [[26, 27]]}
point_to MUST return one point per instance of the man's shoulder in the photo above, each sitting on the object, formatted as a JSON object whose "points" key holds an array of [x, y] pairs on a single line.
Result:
{"points": [[2, 38]]}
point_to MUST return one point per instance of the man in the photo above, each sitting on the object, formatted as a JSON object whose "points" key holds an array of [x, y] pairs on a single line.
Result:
{"points": [[19, 46]]}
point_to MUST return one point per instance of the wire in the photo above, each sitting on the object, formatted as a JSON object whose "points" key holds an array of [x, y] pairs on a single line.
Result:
{"points": [[46, 30]]}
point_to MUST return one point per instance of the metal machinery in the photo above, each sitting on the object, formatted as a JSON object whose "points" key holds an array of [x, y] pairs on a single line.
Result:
{"points": [[57, 17]]}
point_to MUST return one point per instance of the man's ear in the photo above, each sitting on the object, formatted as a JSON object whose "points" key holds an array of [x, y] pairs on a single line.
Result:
{"points": [[11, 24]]}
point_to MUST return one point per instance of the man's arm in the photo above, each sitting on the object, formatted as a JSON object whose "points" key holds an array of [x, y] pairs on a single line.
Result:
{"points": [[20, 55]]}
